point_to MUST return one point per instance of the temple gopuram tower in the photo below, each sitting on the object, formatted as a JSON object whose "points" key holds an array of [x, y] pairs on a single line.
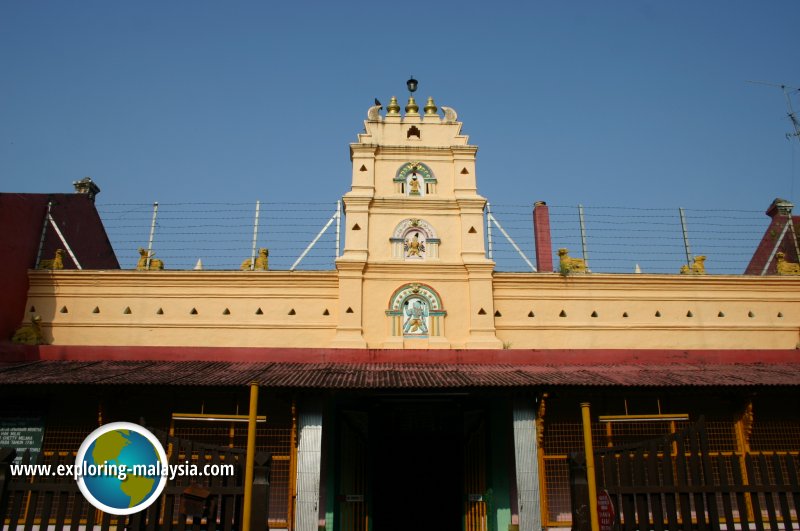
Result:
{"points": [[414, 272]]}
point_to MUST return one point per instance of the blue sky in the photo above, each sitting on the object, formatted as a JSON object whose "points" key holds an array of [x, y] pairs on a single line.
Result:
{"points": [[605, 103], [639, 103]]}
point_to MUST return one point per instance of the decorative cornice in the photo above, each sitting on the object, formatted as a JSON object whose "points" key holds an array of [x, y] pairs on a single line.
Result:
{"points": [[423, 204], [593, 281], [124, 278], [392, 150]]}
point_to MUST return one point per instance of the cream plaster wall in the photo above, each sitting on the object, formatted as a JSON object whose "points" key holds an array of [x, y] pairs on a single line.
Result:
{"points": [[516, 295], [176, 294], [757, 312]]}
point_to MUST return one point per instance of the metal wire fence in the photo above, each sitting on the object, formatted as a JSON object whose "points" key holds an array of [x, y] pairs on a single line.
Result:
{"points": [[221, 235], [616, 239]]}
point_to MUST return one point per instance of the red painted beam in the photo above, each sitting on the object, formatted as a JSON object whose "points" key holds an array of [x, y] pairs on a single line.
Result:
{"points": [[555, 357]]}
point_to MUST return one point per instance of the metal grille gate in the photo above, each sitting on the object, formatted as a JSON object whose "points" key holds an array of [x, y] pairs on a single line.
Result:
{"points": [[475, 477], [676, 482]]}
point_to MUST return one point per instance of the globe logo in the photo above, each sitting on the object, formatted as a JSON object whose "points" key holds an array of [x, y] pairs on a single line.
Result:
{"points": [[120, 468]]}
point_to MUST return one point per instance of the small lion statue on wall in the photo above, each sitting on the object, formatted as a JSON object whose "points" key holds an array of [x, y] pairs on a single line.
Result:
{"points": [[29, 334], [57, 262], [155, 263], [784, 267], [571, 265], [698, 266], [262, 261]]}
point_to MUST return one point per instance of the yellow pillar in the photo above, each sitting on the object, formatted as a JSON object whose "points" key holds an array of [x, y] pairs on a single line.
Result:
{"points": [[590, 477], [293, 468], [743, 429], [251, 457]]}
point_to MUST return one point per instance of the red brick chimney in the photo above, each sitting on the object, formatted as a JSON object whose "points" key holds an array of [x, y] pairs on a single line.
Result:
{"points": [[541, 236]]}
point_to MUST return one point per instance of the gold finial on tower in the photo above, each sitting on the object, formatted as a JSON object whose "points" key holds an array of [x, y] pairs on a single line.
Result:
{"points": [[430, 107], [411, 106], [394, 107]]}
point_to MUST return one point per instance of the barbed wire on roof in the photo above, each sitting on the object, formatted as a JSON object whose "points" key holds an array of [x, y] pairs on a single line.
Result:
{"points": [[652, 238], [220, 234]]}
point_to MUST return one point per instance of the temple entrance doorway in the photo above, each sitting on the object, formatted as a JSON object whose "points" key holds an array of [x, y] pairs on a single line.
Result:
{"points": [[417, 459], [411, 463]]}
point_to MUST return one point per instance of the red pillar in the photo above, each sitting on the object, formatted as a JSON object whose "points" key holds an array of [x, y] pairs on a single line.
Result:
{"points": [[541, 236]]}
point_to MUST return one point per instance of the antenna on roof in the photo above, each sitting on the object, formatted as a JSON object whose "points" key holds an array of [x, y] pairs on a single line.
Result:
{"points": [[787, 90]]}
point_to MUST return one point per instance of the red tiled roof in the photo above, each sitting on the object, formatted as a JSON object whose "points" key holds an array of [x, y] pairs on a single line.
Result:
{"points": [[394, 376], [21, 220]]}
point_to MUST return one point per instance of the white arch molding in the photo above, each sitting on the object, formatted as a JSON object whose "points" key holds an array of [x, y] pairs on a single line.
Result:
{"points": [[415, 311], [415, 179], [414, 239]]}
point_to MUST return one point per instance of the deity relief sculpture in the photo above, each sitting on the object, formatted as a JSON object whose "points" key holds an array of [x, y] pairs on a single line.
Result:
{"points": [[415, 311], [413, 185], [414, 239], [414, 247], [416, 323], [415, 179]]}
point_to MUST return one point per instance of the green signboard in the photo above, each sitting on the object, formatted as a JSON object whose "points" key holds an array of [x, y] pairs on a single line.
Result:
{"points": [[22, 433]]}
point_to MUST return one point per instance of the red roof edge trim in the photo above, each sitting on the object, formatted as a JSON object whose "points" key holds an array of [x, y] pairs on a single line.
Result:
{"points": [[554, 357]]}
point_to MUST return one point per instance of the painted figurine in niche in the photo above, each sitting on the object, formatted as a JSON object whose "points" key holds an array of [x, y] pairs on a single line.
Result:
{"points": [[416, 317], [414, 247], [413, 185]]}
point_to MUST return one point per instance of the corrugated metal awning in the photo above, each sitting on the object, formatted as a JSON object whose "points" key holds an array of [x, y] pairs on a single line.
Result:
{"points": [[394, 376]]}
